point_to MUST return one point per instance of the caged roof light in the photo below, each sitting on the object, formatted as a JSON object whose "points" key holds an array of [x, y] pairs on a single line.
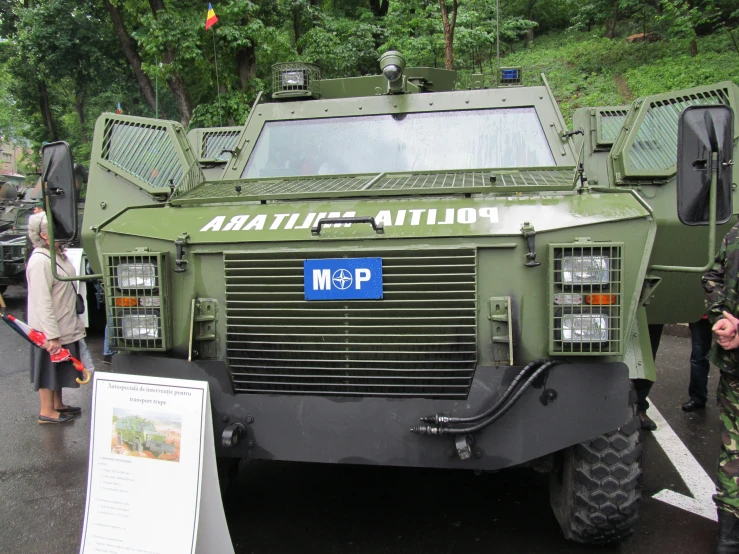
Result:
{"points": [[295, 80]]}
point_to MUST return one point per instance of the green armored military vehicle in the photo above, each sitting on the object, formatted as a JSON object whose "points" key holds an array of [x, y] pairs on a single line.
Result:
{"points": [[13, 246], [386, 270], [141, 434]]}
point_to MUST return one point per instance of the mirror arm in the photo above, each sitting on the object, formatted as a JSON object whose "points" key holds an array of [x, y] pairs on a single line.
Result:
{"points": [[712, 195], [52, 251]]}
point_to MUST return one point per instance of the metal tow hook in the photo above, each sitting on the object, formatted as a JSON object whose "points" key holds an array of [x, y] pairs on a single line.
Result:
{"points": [[232, 435], [529, 233]]}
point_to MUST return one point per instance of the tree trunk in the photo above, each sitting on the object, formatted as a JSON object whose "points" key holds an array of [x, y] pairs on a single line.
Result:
{"points": [[79, 106], [449, 26], [611, 27], [379, 7], [179, 91], [134, 60], [529, 36], [175, 82], [43, 95], [297, 28], [246, 61], [314, 12], [693, 48]]}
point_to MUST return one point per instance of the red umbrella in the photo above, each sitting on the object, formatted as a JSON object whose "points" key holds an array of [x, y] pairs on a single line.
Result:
{"points": [[37, 338]]}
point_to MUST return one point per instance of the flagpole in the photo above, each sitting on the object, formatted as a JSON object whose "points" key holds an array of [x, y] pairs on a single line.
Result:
{"points": [[156, 80], [218, 85]]}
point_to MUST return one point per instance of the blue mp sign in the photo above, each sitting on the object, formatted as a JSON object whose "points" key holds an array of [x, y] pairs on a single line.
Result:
{"points": [[343, 279]]}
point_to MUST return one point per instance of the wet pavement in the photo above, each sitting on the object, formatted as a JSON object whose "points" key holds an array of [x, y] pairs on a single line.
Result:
{"points": [[276, 508]]}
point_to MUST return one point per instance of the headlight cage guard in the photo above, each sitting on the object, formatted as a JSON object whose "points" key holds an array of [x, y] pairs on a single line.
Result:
{"points": [[595, 298], [120, 302]]}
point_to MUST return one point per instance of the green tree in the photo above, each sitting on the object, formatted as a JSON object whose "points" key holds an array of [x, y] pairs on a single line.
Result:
{"points": [[682, 18]]}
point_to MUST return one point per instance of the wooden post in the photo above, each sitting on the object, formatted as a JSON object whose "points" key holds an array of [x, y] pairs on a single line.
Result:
{"points": [[2, 302]]}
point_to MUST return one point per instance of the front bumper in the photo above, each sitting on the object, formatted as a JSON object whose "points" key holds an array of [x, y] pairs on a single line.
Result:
{"points": [[591, 399]]}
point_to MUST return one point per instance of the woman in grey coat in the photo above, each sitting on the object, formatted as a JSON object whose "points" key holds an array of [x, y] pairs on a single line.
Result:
{"points": [[52, 310]]}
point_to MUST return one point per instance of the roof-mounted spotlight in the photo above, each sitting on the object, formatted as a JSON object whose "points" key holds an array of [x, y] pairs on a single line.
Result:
{"points": [[393, 65]]}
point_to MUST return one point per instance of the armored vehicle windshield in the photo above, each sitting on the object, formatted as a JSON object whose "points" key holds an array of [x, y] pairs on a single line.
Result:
{"points": [[432, 141]]}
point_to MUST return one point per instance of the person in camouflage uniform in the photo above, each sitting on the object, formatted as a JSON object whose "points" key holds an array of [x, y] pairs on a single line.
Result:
{"points": [[721, 285]]}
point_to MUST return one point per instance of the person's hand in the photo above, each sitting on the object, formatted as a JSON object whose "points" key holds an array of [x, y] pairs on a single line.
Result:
{"points": [[53, 346], [726, 330]]}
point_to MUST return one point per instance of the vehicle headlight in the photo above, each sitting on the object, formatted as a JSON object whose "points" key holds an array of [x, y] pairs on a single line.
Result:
{"points": [[140, 326], [136, 276], [293, 78], [584, 327], [585, 270]]}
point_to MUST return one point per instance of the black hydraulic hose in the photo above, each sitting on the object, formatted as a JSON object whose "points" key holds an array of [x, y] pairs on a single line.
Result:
{"points": [[501, 400], [504, 409]]}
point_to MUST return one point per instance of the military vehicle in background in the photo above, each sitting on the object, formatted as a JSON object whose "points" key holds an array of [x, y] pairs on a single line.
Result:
{"points": [[142, 435], [386, 270], [13, 251], [17, 206]]}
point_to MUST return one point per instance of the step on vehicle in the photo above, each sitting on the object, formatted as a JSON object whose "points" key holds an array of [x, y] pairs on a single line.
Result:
{"points": [[386, 270]]}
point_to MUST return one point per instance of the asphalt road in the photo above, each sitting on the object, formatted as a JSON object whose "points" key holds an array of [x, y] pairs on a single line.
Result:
{"points": [[286, 508]]}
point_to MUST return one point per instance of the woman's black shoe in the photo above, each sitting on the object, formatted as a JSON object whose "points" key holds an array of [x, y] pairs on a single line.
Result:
{"points": [[63, 418], [692, 406], [728, 533], [69, 410]]}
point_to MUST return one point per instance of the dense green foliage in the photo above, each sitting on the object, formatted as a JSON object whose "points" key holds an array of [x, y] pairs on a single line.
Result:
{"points": [[64, 62]]}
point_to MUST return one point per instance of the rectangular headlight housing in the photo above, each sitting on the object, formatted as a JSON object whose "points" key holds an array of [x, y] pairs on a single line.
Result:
{"points": [[585, 298], [136, 276], [140, 326], [136, 297], [586, 270], [584, 327]]}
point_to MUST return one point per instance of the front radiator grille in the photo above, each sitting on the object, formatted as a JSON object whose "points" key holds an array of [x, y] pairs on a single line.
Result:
{"points": [[418, 341]]}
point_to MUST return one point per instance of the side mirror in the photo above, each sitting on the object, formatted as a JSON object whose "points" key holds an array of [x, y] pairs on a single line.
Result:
{"points": [[58, 185], [704, 147]]}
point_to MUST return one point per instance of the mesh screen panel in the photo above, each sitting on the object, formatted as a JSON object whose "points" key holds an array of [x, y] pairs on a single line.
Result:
{"points": [[610, 122], [420, 340], [655, 145], [136, 300], [143, 150], [585, 299], [214, 142]]}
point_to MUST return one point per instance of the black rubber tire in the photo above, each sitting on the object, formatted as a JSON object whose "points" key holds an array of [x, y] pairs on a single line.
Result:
{"points": [[596, 488]]}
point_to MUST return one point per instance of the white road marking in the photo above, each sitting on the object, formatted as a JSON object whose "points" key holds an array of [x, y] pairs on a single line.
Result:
{"points": [[696, 479]]}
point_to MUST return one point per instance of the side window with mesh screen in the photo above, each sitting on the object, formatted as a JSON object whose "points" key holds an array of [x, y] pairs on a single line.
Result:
{"points": [[654, 148], [143, 150], [214, 143], [610, 122]]}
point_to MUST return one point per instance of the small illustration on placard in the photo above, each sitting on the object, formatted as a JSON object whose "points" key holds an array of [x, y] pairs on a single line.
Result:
{"points": [[146, 435]]}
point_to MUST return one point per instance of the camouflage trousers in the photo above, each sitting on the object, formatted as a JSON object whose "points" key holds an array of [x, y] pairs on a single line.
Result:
{"points": [[727, 476]]}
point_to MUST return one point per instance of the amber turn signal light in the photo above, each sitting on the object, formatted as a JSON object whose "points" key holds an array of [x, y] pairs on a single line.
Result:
{"points": [[126, 302], [600, 299]]}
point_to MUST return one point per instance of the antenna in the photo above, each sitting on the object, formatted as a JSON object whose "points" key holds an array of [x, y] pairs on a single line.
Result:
{"points": [[497, 32]]}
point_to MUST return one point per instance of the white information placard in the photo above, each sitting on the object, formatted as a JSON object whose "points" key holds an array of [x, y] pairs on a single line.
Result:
{"points": [[152, 483]]}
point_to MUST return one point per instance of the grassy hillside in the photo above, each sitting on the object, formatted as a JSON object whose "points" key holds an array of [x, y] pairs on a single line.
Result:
{"points": [[588, 70]]}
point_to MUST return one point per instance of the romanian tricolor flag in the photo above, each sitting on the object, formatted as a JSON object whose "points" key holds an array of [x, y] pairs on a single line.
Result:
{"points": [[211, 19]]}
